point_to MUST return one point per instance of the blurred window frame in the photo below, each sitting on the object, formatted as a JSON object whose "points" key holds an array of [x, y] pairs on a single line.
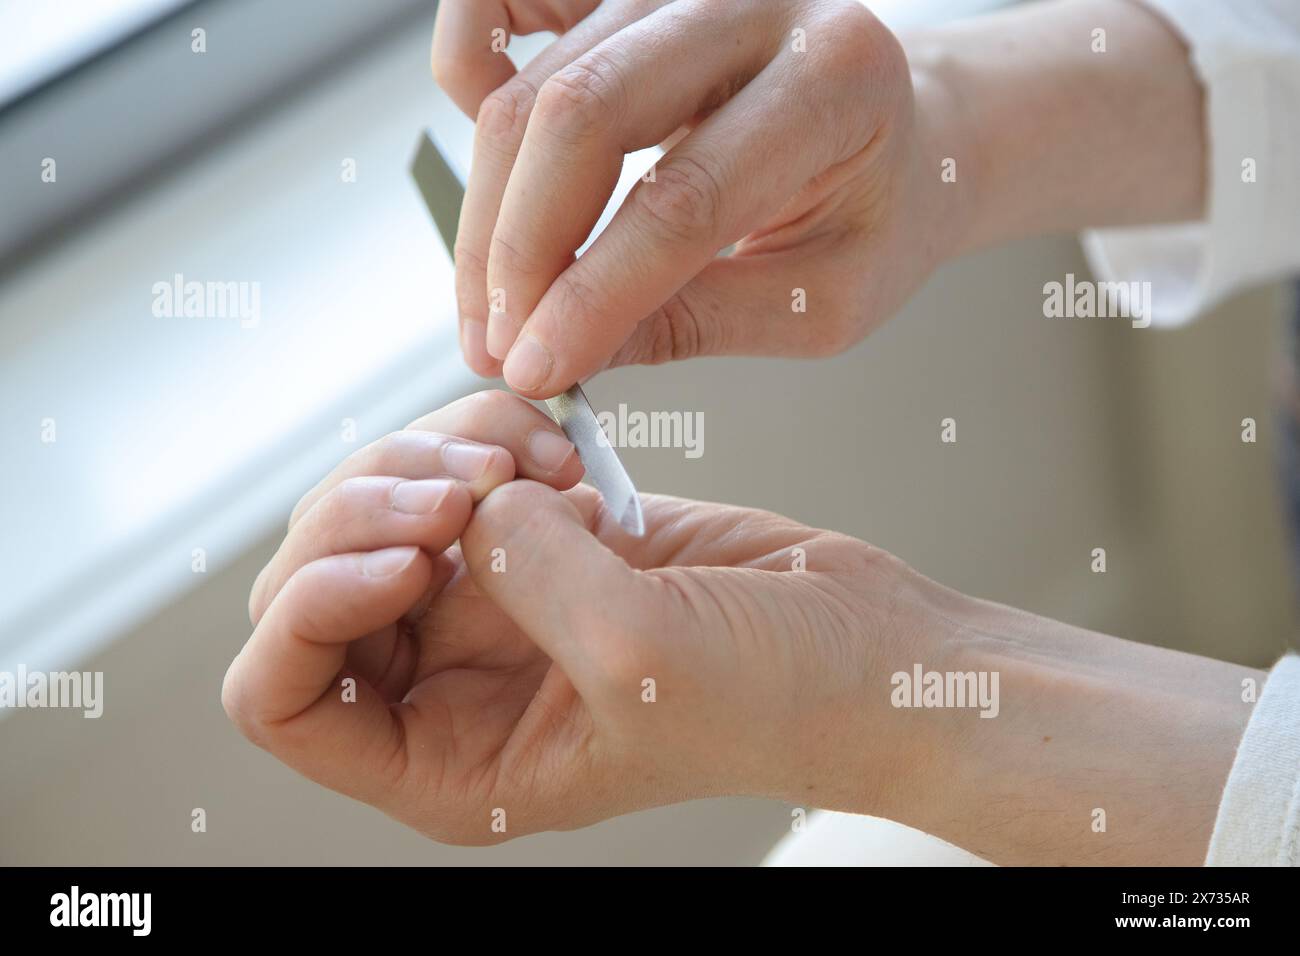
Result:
{"points": [[257, 53]]}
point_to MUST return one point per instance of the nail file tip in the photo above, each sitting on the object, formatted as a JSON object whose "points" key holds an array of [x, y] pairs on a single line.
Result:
{"points": [[632, 520]]}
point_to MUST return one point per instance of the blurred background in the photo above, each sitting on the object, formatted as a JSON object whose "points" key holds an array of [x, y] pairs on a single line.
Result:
{"points": [[150, 462]]}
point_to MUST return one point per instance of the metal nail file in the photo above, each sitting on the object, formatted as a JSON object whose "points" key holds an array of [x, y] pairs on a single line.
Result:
{"points": [[443, 191]]}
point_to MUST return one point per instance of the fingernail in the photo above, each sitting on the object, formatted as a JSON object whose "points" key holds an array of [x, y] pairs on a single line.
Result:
{"points": [[466, 462], [386, 563], [549, 450], [419, 497], [528, 365]]}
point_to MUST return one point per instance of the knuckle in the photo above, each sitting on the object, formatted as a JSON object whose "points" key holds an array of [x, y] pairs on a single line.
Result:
{"points": [[503, 116], [325, 511], [384, 456], [684, 202], [469, 260], [517, 510], [350, 496], [579, 302], [488, 405], [660, 343], [862, 51], [692, 333], [465, 417], [621, 661], [677, 333], [512, 500], [507, 257], [860, 73], [471, 299], [580, 99], [635, 351], [331, 515], [471, 281], [852, 28], [314, 607]]}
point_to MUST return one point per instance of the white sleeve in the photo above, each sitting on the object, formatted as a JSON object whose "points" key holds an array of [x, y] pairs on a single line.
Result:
{"points": [[1259, 817], [847, 839], [1247, 55]]}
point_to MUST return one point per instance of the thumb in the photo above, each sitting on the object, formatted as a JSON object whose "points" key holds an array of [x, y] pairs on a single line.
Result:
{"points": [[529, 550]]}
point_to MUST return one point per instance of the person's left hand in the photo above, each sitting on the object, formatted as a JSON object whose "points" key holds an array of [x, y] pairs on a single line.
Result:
{"points": [[559, 672]]}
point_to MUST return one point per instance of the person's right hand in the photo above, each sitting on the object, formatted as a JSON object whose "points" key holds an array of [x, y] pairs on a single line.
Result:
{"points": [[801, 147]]}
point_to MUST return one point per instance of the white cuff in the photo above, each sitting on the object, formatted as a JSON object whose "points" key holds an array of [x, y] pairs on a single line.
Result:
{"points": [[1259, 816], [1247, 55]]}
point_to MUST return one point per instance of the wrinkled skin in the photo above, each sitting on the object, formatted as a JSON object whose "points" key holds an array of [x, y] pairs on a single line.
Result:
{"points": [[523, 689]]}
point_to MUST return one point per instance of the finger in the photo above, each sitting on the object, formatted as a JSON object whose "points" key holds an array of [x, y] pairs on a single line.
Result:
{"points": [[501, 121], [610, 101], [708, 192], [387, 659], [730, 176], [536, 448], [366, 514], [468, 68], [281, 690], [558, 583], [419, 455], [470, 36]]}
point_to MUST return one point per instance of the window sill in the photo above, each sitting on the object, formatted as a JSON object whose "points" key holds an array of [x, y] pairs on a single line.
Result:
{"points": [[176, 434]]}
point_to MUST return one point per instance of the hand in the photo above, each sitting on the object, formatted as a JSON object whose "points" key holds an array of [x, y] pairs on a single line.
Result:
{"points": [[512, 676], [800, 147], [552, 672]]}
